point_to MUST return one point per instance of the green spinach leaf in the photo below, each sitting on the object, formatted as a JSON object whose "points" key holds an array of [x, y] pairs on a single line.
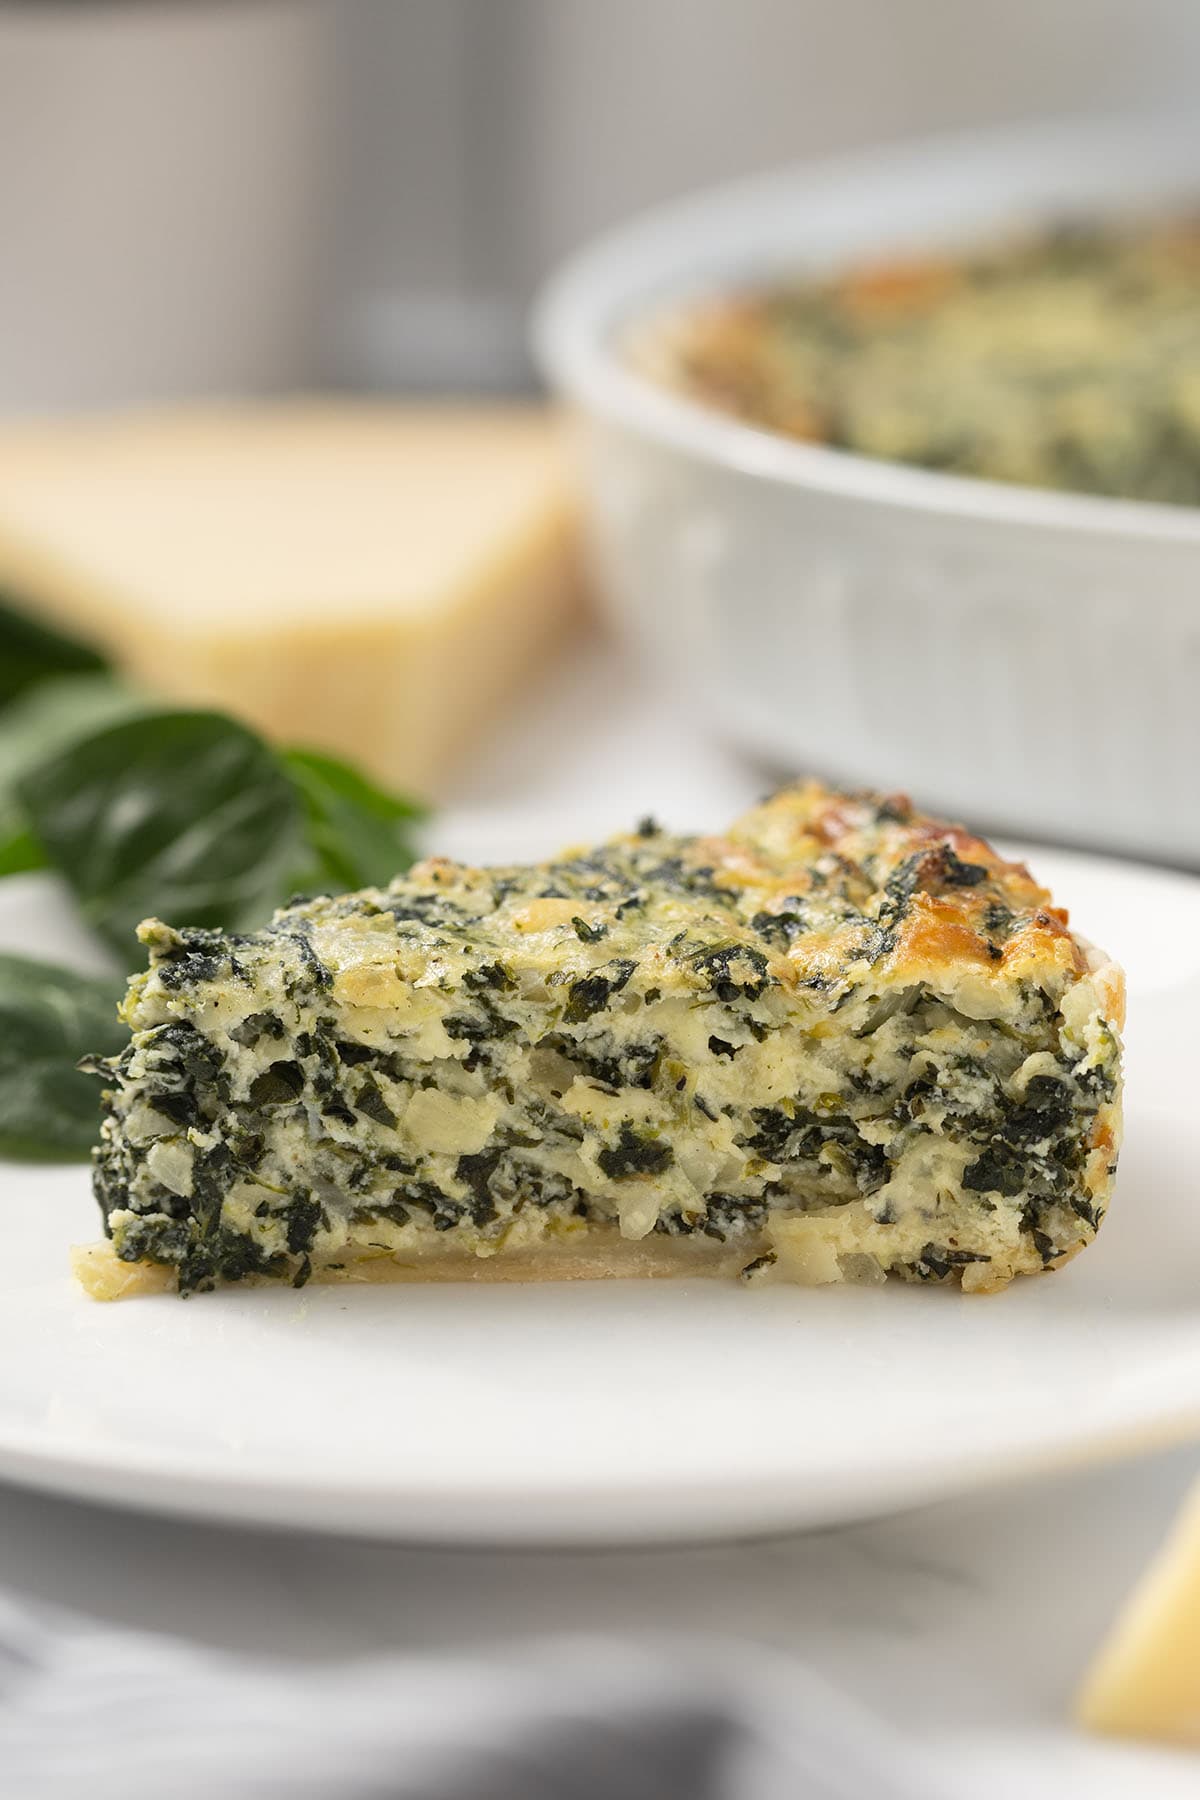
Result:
{"points": [[188, 815], [49, 1018], [360, 836], [40, 721], [31, 652], [20, 851]]}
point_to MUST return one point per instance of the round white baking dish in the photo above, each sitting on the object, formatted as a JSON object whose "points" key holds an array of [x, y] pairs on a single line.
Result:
{"points": [[1027, 659]]}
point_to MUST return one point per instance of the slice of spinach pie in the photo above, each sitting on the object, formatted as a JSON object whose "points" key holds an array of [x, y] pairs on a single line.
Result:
{"points": [[842, 1041]]}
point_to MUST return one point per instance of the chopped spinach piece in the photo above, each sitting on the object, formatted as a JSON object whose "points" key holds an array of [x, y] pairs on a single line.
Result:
{"points": [[759, 1266], [199, 955], [179, 1107], [491, 975], [588, 934], [304, 1218], [369, 1100], [1045, 1110], [154, 1238], [998, 920], [957, 873], [313, 973], [634, 1153], [939, 1260], [999, 1170], [277, 1085], [393, 1210], [733, 971], [781, 928], [592, 993], [476, 1173], [732, 1212], [794, 1134], [254, 1026], [223, 1255]]}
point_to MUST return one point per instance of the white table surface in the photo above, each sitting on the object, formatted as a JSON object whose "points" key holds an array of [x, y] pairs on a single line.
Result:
{"points": [[967, 1624]]}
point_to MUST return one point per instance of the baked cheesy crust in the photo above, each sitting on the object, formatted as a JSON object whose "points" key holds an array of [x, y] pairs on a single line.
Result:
{"points": [[839, 1042]]}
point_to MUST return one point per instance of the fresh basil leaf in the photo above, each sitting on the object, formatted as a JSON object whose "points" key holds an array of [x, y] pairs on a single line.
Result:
{"points": [[31, 652], [186, 815], [49, 1018], [359, 835]]}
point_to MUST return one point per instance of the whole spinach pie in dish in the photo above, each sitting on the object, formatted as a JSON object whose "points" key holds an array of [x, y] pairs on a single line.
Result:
{"points": [[841, 1041], [1067, 359]]}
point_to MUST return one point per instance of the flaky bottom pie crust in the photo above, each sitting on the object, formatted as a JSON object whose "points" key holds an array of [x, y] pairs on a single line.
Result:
{"points": [[802, 1250]]}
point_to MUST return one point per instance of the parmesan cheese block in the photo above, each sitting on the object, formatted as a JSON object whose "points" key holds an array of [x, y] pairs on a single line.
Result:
{"points": [[362, 578], [1145, 1681]]}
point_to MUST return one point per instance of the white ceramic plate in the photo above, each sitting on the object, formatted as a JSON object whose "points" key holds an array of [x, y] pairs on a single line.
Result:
{"points": [[624, 1411]]}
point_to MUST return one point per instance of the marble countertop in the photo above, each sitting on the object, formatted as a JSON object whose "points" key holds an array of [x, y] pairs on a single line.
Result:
{"points": [[967, 1624]]}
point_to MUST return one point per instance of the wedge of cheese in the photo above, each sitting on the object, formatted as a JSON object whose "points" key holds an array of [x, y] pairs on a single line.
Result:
{"points": [[1145, 1681], [367, 579]]}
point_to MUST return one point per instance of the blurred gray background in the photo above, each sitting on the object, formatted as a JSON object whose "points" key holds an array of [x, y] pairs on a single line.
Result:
{"points": [[206, 198]]}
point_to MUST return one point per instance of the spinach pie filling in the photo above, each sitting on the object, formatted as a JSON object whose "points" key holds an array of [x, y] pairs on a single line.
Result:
{"points": [[839, 1042], [1065, 359]]}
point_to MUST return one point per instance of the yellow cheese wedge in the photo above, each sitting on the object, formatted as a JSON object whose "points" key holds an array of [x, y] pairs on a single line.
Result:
{"points": [[362, 578], [1145, 1681]]}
